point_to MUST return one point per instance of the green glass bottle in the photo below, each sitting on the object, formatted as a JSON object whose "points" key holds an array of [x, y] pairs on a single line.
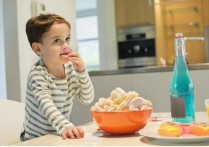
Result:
{"points": [[181, 86]]}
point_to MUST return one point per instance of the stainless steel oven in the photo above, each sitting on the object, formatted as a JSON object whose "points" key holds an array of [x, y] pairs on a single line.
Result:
{"points": [[136, 47]]}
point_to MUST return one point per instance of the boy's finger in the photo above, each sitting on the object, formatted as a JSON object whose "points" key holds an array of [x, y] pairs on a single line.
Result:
{"points": [[81, 132], [64, 136]]}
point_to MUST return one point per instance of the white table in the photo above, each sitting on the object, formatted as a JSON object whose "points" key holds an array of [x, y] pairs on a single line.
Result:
{"points": [[93, 137]]}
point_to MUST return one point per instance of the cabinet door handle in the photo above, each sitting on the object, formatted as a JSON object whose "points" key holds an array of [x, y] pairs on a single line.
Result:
{"points": [[194, 38]]}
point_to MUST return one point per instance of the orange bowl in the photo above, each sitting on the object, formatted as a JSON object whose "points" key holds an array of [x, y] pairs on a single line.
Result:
{"points": [[123, 122]]}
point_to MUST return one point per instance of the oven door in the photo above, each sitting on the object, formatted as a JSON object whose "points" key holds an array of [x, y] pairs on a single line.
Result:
{"points": [[137, 53]]}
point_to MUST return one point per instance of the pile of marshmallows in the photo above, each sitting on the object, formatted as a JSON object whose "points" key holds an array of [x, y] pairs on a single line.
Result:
{"points": [[120, 100]]}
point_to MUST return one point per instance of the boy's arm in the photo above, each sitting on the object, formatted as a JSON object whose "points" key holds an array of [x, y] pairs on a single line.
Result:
{"points": [[46, 105], [84, 88]]}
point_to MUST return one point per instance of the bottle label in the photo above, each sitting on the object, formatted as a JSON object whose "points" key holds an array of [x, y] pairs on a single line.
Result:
{"points": [[178, 107]]}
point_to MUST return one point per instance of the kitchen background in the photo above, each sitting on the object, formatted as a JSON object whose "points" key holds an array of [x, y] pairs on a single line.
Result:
{"points": [[15, 47], [119, 34]]}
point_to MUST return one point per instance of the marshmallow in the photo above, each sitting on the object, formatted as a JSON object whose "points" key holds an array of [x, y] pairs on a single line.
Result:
{"points": [[120, 100]]}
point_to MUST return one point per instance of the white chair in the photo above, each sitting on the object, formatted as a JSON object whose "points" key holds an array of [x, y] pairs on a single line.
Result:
{"points": [[12, 115]]}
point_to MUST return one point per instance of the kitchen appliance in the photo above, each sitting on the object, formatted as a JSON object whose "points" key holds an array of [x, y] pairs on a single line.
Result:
{"points": [[136, 47]]}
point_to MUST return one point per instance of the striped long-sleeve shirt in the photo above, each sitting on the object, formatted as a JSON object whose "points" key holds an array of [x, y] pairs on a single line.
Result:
{"points": [[49, 100]]}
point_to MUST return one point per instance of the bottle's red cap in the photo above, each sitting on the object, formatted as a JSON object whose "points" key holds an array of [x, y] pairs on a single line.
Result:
{"points": [[179, 35]]}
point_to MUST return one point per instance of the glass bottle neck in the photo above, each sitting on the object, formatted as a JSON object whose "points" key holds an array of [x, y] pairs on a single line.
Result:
{"points": [[180, 46]]}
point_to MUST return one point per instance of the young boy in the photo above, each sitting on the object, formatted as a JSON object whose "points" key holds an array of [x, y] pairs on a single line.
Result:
{"points": [[54, 81]]}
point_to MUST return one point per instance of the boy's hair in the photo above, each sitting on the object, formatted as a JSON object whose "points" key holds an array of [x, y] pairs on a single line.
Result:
{"points": [[38, 25]]}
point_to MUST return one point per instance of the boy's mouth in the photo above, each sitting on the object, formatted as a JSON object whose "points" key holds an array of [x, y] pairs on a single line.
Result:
{"points": [[64, 54]]}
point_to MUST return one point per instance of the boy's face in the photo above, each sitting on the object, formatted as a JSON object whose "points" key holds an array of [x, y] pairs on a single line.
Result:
{"points": [[55, 45]]}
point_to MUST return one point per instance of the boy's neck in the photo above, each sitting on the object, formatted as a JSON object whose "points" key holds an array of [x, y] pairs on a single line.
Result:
{"points": [[57, 71]]}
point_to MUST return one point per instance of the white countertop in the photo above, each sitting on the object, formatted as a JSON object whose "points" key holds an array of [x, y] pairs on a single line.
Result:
{"points": [[148, 69], [93, 137]]}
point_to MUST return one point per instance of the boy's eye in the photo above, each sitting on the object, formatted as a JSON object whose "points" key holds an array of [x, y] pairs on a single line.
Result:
{"points": [[57, 41], [68, 39]]}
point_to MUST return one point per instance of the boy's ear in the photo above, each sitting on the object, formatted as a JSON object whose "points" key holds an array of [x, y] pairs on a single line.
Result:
{"points": [[36, 48]]}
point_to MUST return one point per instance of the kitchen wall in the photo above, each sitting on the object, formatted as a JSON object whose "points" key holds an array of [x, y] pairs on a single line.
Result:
{"points": [[11, 49], [107, 34], [2, 58]]}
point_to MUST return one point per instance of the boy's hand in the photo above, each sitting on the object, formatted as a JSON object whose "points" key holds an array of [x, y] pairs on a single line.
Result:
{"points": [[73, 133], [77, 61]]}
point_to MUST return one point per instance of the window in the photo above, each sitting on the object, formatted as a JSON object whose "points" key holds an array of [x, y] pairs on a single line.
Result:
{"points": [[87, 36]]}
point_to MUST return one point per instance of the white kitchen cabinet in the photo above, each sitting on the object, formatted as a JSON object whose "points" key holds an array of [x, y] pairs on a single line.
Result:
{"points": [[153, 86], [103, 85], [201, 88]]}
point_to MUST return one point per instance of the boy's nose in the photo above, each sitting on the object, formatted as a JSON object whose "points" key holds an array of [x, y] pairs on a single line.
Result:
{"points": [[66, 45], [67, 49]]}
